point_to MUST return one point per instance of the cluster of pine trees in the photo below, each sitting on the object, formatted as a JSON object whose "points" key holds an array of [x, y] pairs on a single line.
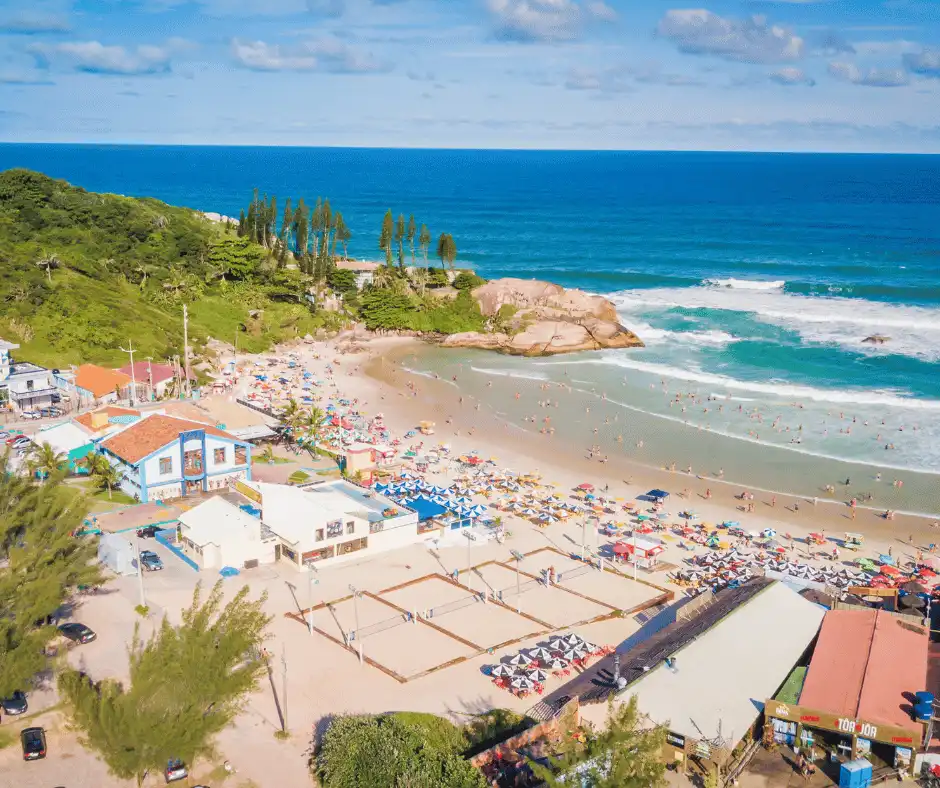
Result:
{"points": [[396, 233], [310, 235]]}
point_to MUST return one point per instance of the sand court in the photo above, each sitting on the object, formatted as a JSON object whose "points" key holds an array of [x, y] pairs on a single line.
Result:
{"points": [[612, 589], [553, 605], [462, 612], [404, 647]]}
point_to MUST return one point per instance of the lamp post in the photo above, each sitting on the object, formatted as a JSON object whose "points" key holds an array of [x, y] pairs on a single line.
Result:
{"points": [[518, 556], [313, 580], [356, 594], [469, 540]]}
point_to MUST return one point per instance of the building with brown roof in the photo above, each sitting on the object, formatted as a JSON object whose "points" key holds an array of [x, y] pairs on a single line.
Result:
{"points": [[859, 693], [163, 457], [153, 380], [109, 418], [100, 384]]}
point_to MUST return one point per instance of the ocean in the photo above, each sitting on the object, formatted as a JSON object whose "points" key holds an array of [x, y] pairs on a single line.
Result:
{"points": [[753, 279]]}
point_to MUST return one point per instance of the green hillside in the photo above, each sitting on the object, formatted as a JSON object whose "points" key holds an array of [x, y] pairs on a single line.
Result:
{"points": [[83, 273]]}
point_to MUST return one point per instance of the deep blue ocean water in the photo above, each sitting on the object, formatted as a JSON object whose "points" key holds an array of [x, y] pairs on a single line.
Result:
{"points": [[752, 277]]}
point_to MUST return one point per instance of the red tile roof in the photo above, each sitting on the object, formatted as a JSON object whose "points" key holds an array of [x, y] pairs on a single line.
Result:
{"points": [[147, 372], [110, 411], [864, 663], [100, 381], [152, 433]]}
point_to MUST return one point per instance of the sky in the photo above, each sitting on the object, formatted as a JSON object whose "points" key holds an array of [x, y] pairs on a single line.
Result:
{"points": [[840, 75]]}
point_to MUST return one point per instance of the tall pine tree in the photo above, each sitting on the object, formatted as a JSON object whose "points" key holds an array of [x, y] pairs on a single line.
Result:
{"points": [[385, 237]]}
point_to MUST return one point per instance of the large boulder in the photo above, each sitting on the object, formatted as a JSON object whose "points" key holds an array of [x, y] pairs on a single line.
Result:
{"points": [[543, 298]]}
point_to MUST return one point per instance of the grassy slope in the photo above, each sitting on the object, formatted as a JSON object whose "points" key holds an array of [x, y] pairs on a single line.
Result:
{"points": [[93, 302]]}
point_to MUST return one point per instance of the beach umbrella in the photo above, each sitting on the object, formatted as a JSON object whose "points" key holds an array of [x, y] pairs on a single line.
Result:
{"points": [[522, 682], [556, 663], [558, 644], [463, 500], [768, 533], [519, 659], [539, 652], [890, 571], [478, 509], [573, 640], [589, 646], [538, 676], [586, 486], [502, 670]]}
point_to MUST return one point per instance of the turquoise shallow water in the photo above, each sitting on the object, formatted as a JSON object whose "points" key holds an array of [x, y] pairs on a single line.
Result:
{"points": [[753, 278]]}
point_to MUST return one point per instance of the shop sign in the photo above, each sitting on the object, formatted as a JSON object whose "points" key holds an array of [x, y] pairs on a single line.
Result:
{"points": [[675, 740], [849, 726], [249, 492], [702, 749]]}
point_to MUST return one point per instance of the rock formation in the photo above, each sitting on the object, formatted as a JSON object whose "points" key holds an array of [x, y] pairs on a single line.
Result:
{"points": [[533, 318]]}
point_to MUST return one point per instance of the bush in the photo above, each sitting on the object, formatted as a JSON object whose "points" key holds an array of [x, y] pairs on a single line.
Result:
{"points": [[394, 750], [467, 280]]}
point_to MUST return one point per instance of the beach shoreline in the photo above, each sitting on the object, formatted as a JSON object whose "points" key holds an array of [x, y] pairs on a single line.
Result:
{"points": [[381, 382]]}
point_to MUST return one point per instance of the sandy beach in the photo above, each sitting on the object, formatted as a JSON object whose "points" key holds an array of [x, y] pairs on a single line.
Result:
{"points": [[381, 382]]}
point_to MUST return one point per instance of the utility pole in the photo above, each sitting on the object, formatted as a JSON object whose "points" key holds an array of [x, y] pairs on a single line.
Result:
{"points": [[518, 556], [284, 666], [149, 377], [140, 574], [356, 594], [313, 580], [131, 350], [469, 540], [186, 349]]}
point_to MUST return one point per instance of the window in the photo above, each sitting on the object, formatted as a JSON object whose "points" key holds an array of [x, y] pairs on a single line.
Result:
{"points": [[166, 465], [241, 455], [350, 528], [335, 528], [218, 455], [376, 527], [319, 534]]}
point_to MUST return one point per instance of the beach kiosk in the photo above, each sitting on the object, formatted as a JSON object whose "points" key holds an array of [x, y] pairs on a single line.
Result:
{"points": [[641, 550]]}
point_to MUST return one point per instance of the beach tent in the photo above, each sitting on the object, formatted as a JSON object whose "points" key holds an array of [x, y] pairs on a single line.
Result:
{"points": [[657, 495], [426, 508]]}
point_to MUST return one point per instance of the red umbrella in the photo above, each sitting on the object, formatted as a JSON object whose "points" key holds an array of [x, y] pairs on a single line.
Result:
{"points": [[585, 486], [927, 573], [890, 570]]}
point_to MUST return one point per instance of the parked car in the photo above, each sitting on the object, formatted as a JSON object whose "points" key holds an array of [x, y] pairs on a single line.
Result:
{"points": [[77, 633], [15, 704], [150, 561], [21, 443], [175, 770], [33, 741], [31, 414], [148, 532]]}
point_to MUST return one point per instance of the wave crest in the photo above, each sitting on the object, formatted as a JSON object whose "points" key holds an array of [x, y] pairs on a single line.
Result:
{"points": [[745, 284]]}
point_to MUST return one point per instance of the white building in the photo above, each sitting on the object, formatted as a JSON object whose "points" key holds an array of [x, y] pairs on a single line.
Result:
{"points": [[163, 457], [27, 386], [217, 533], [332, 521]]}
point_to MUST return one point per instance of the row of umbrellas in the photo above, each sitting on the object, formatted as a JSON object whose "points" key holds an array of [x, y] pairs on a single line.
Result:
{"points": [[554, 654]]}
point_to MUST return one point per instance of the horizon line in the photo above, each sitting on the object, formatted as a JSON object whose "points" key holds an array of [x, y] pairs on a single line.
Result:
{"points": [[774, 151]]}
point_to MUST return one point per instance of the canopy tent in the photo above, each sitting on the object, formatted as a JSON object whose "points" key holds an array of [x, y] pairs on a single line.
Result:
{"points": [[426, 508], [657, 495]]}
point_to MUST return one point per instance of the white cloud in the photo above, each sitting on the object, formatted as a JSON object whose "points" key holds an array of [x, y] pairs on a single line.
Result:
{"points": [[885, 48], [600, 10], [324, 54], [752, 40], [31, 22], [925, 63], [536, 20], [790, 75], [93, 57], [873, 78]]}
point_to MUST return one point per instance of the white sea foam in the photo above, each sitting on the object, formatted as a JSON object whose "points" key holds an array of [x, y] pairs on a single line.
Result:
{"points": [[912, 331], [745, 284], [656, 336], [507, 373], [779, 392]]}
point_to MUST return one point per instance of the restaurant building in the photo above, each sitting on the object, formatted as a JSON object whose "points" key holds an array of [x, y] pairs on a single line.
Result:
{"points": [[858, 695]]}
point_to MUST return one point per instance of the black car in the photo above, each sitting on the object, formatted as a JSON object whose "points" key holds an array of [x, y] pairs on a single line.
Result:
{"points": [[15, 704], [34, 743], [150, 561], [77, 633], [148, 532]]}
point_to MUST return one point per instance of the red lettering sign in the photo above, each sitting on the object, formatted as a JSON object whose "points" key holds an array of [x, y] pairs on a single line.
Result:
{"points": [[902, 740], [809, 718]]}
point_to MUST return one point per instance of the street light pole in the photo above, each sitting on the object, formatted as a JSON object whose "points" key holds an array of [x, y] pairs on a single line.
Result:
{"points": [[356, 594], [313, 580], [140, 575], [467, 535], [284, 666], [518, 556]]}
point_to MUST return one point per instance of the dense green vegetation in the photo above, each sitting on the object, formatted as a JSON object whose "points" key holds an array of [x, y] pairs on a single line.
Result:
{"points": [[41, 565], [405, 750], [82, 273], [187, 683]]}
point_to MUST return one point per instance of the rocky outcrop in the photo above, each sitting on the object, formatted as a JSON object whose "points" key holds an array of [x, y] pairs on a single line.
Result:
{"points": [[533, 318], [876, 339]]}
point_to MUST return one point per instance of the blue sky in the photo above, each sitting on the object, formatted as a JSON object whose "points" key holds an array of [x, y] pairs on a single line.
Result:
{"points": [[730, 74]]}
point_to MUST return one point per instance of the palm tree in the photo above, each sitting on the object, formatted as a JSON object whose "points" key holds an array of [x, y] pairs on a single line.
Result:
{"points": [[313, 425], [44, 461], [103, 474], [267, 455], [419, 278], [48, 262], [382, 277]]}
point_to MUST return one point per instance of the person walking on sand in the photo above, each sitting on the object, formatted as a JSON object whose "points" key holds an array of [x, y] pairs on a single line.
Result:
{"points": [[773, 501]]}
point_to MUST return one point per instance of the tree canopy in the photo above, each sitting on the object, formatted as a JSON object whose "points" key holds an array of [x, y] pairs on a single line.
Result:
{"points": [[187, 683], [395, 751], [42, 564]]}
